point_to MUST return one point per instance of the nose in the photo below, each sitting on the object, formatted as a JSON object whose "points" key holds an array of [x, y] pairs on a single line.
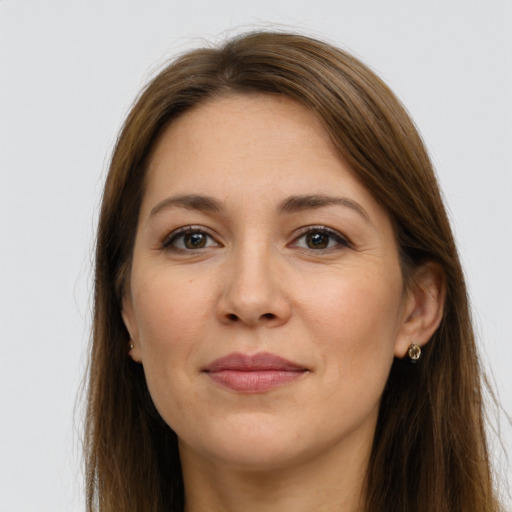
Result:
{"points": [[253, 291]]}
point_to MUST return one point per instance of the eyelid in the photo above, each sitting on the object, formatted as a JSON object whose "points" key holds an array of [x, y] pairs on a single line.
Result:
{"points": [[184, 230], [341, 239]]}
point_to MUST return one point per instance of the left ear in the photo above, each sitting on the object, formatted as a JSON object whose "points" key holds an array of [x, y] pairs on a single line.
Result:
{"points": [[423, 307]]}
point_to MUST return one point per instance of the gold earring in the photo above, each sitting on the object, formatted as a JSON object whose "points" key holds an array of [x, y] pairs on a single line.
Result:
{"points": [[414, 352]]}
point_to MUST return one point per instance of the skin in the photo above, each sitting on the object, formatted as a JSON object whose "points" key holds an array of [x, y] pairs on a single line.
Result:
{"points": [[259, 285]]}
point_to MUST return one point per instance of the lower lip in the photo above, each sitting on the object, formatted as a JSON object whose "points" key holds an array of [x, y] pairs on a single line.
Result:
{"points": [[256, 381]]}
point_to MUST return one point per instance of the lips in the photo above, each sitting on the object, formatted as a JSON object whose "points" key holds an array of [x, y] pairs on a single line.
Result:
{"points": [[253, 373]]}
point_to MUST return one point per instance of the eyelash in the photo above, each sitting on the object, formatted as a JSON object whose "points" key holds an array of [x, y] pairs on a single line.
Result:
{"points": [[180, 233], [339, 239]]}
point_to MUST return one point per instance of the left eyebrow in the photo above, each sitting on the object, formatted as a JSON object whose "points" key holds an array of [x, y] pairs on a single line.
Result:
{"points": [[188, 201], [300, 203]]}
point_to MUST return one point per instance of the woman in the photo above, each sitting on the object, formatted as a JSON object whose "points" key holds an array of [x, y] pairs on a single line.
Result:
{"points": [[273, 256]]}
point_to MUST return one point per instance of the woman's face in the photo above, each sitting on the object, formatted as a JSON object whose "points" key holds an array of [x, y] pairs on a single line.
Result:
{"points": [[266, 299]]}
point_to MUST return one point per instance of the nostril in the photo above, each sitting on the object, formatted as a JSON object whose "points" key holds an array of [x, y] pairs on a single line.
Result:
{"points": [[232, 317], [269, 316]]}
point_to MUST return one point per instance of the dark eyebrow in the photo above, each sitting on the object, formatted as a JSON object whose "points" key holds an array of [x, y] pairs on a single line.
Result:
{"points": [[291, 204], [310, 202], [189, 201]]}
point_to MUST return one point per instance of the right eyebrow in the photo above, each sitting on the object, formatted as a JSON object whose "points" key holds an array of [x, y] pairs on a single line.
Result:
{"points": [[300, 203], [188, 201]]}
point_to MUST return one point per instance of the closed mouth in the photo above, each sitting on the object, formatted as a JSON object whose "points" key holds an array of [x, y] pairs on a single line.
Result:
{"points": [[253, 373]]}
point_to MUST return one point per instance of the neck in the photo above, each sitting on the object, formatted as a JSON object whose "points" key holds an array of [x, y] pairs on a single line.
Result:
{"points": [[331, 481]]}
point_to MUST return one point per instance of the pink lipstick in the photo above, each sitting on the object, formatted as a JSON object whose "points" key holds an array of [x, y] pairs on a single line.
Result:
{"points": [[253, 373]]}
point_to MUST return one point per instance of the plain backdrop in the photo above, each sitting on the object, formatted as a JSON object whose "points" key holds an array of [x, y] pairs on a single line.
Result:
{"points": [[69, 71]]}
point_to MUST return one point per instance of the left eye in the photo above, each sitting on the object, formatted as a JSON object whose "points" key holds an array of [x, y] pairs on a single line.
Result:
{"points": [[320, 239], [189, 239]]}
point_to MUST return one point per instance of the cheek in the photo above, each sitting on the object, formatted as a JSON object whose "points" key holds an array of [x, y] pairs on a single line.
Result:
{"points": [[354, 302], [171, 309], [354, 327], [172, 313], [355, 320]]}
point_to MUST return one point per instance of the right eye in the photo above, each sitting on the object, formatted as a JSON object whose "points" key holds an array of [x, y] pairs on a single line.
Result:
{"points": [[189, 238], [321, 239]]}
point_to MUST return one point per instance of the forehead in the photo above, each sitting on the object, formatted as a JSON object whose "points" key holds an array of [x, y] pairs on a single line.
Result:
{"points": [[249, 146], [241, 123]]}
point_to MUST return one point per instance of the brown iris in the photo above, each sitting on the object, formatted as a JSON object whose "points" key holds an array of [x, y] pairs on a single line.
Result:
{"points": [[317, 240], [194, 240]]}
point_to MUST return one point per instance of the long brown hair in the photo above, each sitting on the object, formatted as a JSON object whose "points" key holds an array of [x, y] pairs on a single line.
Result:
{"points": [[429, 452]]}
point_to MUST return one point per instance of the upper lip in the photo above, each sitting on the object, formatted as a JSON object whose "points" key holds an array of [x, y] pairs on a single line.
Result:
{"points": [[256, 362]]}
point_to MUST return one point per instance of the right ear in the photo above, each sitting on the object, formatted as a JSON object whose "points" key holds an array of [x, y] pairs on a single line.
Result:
{"points": [[130, 322]]}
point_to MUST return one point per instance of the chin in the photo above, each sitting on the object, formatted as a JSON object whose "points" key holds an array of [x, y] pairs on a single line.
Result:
{"points": [[255, 443]]}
